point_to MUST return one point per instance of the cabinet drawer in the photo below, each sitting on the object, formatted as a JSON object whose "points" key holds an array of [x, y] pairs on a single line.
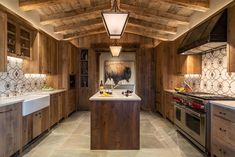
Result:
{"points": [[224, 130], [220, 150], [224, 113]]}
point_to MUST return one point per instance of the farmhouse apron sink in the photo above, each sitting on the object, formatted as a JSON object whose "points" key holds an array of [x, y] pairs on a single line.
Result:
{"points": [[33, 103]]}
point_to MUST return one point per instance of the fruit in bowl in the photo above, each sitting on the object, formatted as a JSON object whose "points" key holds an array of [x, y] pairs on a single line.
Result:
{"points": [[47, 88]]}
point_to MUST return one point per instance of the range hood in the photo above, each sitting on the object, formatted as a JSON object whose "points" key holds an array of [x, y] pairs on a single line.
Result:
{"points": [[207, 36]]}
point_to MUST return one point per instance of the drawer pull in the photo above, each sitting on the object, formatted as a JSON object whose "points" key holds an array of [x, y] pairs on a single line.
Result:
{"points": [[6, 111]]}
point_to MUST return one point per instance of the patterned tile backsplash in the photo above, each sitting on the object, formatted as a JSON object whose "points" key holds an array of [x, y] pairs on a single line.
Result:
{"points": [[15, 80], [214, 77]]}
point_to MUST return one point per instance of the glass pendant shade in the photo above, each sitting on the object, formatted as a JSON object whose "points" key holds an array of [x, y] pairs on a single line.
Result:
{"points": [[115, 23], [115, 50]]}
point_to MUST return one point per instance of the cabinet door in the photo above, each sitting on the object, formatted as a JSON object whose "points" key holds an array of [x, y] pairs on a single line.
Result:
{"points": [[27, 127], [45, 116], [54, 109], [72, 101], [10, 129], [53, 50], [61, 105], [231, 39], [37, 123], [44, 54], [3, 42]]}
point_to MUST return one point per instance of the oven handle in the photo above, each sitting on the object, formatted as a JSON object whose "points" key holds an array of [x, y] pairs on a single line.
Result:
{"points": [[196, 114]]}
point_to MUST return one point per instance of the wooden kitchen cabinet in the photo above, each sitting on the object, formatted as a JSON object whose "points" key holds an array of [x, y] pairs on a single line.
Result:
{"points": [[3, 42], [45, 55], [10, 129], [35, 124], [19, 38], [71, 101], [41, 122], [54, 109], [231, 39], [72, 59], [169, 106], [222, 132], [57, 108]]}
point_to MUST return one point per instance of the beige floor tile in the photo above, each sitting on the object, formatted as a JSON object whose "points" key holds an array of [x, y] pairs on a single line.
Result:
{"points": [[53, 140], [65, 128], [77, 142], [77, 153], [150, 141], [71, 138]]}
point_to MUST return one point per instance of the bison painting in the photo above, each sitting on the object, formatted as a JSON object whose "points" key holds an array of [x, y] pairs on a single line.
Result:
{"points": [[117, 71]]}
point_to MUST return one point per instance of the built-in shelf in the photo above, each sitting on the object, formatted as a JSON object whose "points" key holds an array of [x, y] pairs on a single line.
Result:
{"points": [[84, 68]]}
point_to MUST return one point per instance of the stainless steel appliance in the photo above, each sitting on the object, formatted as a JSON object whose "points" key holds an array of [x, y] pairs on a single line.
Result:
{"points": [[192, 116]]}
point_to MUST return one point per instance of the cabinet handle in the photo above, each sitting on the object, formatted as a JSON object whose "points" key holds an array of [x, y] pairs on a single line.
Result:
{"points": [[6, 111]]}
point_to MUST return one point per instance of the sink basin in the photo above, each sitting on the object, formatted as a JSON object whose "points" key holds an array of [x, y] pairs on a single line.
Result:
{"points": [[33, 103]]}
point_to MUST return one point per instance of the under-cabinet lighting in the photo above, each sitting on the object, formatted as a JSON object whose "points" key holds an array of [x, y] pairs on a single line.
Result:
{"points": [[192, 75], [14, 59], [35, 75]]}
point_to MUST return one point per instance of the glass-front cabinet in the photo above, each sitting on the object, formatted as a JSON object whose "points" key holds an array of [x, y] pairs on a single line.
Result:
{"points": [[18, 40]]}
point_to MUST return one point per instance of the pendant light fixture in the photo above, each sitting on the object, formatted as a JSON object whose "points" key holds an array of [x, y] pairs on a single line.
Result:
{"points": [[115, 49], [115, 21]]}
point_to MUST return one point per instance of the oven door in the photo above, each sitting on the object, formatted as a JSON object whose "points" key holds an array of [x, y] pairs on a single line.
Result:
{"points": [[195, 125], [179, 117]]}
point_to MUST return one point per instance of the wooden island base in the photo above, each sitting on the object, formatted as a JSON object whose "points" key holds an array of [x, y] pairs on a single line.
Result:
{"points": [[115, 125]]}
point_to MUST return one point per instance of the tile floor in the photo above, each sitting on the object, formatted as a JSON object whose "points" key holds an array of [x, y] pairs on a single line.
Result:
{"points": [[71, 138]]}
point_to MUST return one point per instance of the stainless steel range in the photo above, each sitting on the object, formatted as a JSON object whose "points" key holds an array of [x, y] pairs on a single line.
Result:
{"points": [[192, 116]]}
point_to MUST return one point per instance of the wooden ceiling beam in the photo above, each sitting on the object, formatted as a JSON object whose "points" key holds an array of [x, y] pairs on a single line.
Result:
{"points": [[196, 5], [49, 19], [78, 26], [152, 26], [84, 33], [146, 33], [27, 5], [150, 12]]}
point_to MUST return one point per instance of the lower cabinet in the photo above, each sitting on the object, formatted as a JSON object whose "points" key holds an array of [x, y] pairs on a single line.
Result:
{"points": [[71, 106], [10, 129], [35, 124], [169, 106], [222, 132], [57, 108]]}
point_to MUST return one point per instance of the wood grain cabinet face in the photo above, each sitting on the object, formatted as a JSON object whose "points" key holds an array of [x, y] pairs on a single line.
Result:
{"points": [[169, 106], [231, 39], [3, 42], [222, 132], [10, 129], [71, 101], [54, 109], [34, 125]]}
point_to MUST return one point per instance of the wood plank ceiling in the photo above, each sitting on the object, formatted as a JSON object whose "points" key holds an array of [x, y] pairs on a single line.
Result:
{"points": [[156, 19]]}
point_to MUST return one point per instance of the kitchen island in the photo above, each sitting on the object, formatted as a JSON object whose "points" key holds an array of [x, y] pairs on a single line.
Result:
{"points": [[115, 121]]}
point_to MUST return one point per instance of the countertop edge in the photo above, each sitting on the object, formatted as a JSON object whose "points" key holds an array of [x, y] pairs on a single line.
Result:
{"points": [[14, 100], [224, 104]]}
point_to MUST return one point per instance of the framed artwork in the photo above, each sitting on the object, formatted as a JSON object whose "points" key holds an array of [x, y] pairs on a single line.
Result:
{"points": [[119, 72]]}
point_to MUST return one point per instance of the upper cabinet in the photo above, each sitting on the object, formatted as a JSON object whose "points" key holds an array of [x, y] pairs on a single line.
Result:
{"points": [[186, 64], [190, 64], [44, 55], [231, 39], [19, 39], [3, 42]]}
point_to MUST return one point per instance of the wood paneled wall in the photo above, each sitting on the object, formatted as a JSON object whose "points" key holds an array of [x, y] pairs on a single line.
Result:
{"points": [[145, 72]]}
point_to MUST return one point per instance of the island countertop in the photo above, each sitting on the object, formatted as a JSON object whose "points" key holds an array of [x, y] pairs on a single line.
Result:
{"points": [[116, 96]]}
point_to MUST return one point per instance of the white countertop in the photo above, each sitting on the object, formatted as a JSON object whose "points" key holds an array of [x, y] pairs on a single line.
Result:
{"points": [[4, 101], [116, 96], [226, 104]]}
